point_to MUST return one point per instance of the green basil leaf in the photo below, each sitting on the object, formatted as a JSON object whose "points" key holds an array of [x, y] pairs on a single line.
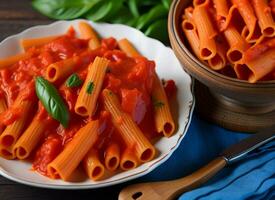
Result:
{"points": [[63, 9], [166, 3], [74, 81], [158, 30], [124, 17], [90, 87], [52, 101], [104, 10], [133, 6], [157, 12]]}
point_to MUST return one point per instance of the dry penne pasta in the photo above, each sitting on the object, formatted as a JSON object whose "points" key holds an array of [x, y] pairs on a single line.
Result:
{"points": [[68, 160], [86, 101], [92, 165], [127, 128]]}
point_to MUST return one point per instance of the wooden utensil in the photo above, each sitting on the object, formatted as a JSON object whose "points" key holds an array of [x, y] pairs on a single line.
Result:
{"points": [[167, 190]]}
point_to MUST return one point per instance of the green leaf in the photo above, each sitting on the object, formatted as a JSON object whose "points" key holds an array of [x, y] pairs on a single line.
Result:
{"points": [[158, 30], [133, 6], [124, 17], [103, 10], [52, 101], [166, 3], [154, 14], [63, 9], [74, 81], [90, 87]]}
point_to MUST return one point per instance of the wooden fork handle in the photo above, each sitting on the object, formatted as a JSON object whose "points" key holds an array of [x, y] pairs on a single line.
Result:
{"points": [[197, 178]]}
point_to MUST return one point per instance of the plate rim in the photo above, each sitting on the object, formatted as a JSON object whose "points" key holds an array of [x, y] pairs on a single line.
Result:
{"points": [[150, 168]]}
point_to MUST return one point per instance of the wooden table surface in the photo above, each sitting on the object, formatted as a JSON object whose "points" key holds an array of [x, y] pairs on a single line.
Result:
{"points": [[16, 16]]}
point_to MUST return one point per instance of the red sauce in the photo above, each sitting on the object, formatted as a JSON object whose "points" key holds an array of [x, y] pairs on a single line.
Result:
{"points": [[130, 78]]}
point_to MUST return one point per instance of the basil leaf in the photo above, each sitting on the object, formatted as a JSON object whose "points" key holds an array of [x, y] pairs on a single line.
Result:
{"points": [[133, 6], [157, 12], [74, 81], [166, 3], [104, 10], [63, 9], [124, 17], [154, 31], [52, 101], [90, 87]]}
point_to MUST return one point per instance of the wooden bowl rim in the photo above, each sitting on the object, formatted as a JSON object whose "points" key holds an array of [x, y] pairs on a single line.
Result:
{"points": [[207, 70]]}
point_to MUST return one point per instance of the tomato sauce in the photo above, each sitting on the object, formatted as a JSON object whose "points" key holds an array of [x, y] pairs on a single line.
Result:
{"points": [[130, 78]]}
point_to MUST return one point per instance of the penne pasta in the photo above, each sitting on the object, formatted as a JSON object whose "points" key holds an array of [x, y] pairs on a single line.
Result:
{"points": [[61, 69], [164, 122], [30, 138], [87, 32], [127, 128], [3, 107], [247, 13], [206, 33], [190, 31], [128, 160], [237, 44], [13, 131], [201, 2], [86, 101], [128, 48], [264, 15], [260, 66], [36, 42], [92, 165], [219, 60], [68, 160], [7, 62], [112, 157]]}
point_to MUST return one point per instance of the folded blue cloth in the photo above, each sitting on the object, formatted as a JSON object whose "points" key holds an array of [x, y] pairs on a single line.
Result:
{"points": [[250, 178]]}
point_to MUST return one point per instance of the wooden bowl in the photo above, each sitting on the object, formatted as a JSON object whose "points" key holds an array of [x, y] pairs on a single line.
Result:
{"points": [[232, 103]]}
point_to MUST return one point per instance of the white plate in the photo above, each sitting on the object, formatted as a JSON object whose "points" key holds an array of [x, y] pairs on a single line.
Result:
{"points": [[168, 67]]}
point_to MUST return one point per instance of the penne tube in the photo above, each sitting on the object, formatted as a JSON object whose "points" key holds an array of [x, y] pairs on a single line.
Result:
{"points": [[87, 99], [13, 131], [3, 107], [112, 157], [164, 122], [92, 165], [264, 15], [221, 8], [237, 44], [36, 42], [30, 138], [127, 128], [201, 2], [241, 70], [87, 32], [68, 160], [61, 69], [128, 48], [260, 66], [219, 60], [206, 33], [128, 160], [7, 62], [247, 13], [188, 13], [190, 31]]}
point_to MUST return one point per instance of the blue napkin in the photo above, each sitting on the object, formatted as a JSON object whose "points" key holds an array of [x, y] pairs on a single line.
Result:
{"points": [[251, 178]]}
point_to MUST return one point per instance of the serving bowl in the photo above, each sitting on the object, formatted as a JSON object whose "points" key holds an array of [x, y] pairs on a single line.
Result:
{"points": [[232, 103]]}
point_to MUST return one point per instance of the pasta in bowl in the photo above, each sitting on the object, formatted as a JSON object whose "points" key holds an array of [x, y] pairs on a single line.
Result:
{"points": [[82, 104], [228, 46]]}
